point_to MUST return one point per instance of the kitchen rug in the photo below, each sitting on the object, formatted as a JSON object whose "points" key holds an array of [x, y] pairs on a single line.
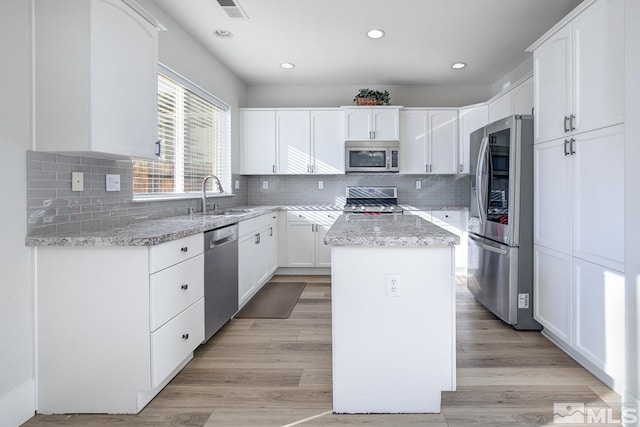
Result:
{"points": [[274, 301]]}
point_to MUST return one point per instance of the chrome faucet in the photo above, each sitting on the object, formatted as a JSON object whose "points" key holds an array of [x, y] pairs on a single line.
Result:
{"points": [[204, 190]]}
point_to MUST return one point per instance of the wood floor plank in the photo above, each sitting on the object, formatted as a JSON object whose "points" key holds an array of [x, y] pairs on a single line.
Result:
{"points": [[277, 372]]}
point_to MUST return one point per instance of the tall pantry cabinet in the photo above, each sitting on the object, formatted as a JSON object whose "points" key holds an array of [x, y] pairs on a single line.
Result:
{"points": [[578, 186]]}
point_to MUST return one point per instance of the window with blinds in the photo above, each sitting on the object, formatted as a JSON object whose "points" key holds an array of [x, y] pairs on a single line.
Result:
{"points": [[193, 129]]}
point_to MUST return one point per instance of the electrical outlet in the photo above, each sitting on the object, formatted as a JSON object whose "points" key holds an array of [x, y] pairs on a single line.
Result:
{"points": [[237, 184], [265, 185], [77, 181], [418, 185], [320, 185], [393, 285]]}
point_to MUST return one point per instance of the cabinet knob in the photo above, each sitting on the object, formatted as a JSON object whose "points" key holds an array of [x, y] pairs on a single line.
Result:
{"points": [[185, 336], [184, 287], [184, 249]]}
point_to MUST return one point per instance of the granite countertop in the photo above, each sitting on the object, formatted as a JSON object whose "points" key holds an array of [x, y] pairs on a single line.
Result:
{"points": [[387, 231], [151, 232]]}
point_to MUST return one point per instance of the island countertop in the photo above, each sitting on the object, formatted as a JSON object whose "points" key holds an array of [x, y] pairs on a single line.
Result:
{"points": [[387, 231]]}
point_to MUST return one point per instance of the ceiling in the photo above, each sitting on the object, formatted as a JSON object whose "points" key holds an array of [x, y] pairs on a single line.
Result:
{"points": [[327, 42]]}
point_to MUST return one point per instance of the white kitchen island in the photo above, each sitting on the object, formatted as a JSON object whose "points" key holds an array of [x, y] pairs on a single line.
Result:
{"points": [[393, 314]]}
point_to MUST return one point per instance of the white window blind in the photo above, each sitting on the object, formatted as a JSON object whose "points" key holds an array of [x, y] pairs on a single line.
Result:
{"points": [[193, 128]]}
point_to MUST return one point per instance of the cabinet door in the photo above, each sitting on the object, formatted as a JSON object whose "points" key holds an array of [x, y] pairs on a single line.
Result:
{"points": [[500, 107], [327, 140], [324, 221], [270, 242], [599, 316], [413, 141], [551, 86], [124, 99], [247, 278], [258, 141], [357, 124], [598, 197], [471, 119], [262, 259], [300, 244], [385, 123], [598, 61], [522, 98], [293, 142], [443, 142], [552, 302], [552, 190]]}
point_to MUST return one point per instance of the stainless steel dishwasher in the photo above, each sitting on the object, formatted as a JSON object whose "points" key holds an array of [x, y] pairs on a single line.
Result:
{"points": [[220, 277]]}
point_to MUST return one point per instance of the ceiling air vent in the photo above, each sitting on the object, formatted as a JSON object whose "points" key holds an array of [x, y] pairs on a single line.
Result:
{"points": [[233, 9]]}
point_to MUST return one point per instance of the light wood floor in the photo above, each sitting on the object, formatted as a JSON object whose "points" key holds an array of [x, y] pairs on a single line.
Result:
{"points": [[278, 373]]}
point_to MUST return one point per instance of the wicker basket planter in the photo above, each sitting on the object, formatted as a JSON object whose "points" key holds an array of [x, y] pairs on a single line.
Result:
{"points": [[366, 101]]}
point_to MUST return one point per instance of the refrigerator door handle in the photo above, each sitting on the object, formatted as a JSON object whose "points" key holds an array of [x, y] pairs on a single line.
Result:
{"points": [[481, 188], [487, 247]]}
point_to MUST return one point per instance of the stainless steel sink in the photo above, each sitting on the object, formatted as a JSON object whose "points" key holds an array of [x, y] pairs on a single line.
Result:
{"points": [[238, 211]]}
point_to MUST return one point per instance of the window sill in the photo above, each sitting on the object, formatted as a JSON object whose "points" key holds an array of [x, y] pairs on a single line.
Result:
{"points": [[163, 197]]}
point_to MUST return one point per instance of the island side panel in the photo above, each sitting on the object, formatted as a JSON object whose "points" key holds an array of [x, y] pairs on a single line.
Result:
{"points": [[392, 354]]}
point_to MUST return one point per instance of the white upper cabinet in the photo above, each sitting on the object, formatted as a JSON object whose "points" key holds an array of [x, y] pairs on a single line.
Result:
{"points": [[516, 100], [258, 136], [327, 141], [579, 74], [378, 123], [500, 107], [471, 119], [428, 141], [293, 142], [101, 95], [443, 142]]}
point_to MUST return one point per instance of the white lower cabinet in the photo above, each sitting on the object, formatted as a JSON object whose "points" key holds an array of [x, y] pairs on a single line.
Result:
{"points": [[456, 223], [116, 324], [305, 231], [257, 254]]}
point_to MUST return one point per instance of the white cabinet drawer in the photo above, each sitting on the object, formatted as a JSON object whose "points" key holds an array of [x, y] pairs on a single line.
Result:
{"points": [[254, 224], [447, 216], [173, 342], [175, 251], [174, 289]]}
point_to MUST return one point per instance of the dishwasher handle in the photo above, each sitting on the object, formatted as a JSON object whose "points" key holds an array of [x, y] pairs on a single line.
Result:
{"points": [[220, 236]]}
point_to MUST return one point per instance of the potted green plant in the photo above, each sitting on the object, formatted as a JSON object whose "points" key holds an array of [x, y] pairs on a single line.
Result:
{"points": [[372, 97]]}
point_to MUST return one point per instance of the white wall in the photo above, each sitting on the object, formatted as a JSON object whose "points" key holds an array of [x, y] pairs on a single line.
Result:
{"points": [[180, 52], [631, 200], [335, 96], [17, 390]]}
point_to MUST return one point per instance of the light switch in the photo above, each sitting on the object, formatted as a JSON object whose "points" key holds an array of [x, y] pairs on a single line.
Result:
{"points": [[113, 182], [77, 181], [237, 184]]}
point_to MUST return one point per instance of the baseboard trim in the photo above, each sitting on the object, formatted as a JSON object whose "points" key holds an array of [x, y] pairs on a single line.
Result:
{"points": [[18, 405], [304, 271], [585, 363]]}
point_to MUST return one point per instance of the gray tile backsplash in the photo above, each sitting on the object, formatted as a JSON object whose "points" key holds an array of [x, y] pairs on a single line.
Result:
{"points": [[437, 190], [54, 208]]}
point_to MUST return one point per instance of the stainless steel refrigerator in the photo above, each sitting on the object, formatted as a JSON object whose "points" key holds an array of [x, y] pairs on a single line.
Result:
{"points": [[500, 267]]}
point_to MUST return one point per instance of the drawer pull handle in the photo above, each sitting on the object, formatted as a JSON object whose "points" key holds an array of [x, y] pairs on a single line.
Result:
{"points": [[184, 287], [185, 336], [184, 249]]}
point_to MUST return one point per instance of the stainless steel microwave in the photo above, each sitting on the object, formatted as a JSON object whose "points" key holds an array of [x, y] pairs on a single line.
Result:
{"points": [[372, 156]]}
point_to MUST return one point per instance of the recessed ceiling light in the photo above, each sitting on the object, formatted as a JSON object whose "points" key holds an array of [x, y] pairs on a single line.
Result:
{"points": [[287, 65], [223, 33], [458, 65], [375, 34]]}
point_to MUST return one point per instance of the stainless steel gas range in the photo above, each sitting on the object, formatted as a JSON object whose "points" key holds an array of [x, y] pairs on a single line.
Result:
{"points": [[372, 201]]}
